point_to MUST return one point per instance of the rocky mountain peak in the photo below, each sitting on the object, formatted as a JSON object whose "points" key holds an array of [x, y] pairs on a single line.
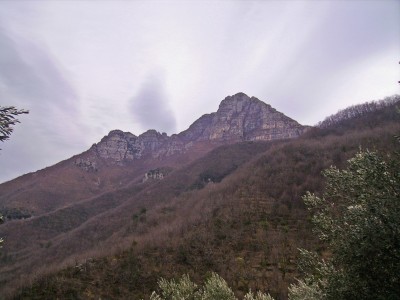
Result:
{"points": [[240, 102], [239, 118], [236, 102], [152, 133]]}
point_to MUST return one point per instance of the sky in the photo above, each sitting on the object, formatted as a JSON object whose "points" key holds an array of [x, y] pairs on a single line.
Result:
{"points": [[84, 68]]}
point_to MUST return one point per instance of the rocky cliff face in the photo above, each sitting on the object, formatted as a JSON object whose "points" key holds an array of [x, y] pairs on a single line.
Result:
{"points": [[239, 118], [119, 146]]}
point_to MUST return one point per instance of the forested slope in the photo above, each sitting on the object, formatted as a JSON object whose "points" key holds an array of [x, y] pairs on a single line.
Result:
{"points": [[239, 215]]}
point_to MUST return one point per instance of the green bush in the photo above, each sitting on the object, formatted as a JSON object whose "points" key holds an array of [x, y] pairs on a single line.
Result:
{"points": [[358, 218]]}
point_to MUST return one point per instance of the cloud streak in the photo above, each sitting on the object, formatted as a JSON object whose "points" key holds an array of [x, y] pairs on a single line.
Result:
{"points": [[31, 79]]}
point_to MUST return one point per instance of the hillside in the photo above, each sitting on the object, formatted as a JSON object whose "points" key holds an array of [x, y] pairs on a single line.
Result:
{"points": [[96, 198], [121, 158], [236, 210]]}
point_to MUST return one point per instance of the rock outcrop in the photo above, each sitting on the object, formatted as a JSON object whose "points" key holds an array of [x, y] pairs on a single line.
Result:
{"points": [[86, 165], [239, 118], [156, 174], [119, 146]]}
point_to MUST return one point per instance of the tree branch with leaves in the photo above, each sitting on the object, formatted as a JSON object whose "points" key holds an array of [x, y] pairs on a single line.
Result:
{"points": [[358, 219], [8, 118]]}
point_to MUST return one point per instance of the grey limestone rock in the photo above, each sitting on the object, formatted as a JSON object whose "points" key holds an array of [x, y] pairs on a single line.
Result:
{"points": [[86, 164], [239, 118]]}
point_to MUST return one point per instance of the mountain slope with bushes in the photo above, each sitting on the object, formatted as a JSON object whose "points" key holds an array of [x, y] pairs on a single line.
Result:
{"points": [[236, 211]]}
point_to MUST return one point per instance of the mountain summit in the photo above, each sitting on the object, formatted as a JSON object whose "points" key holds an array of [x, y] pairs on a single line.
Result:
{"points": [[121, 158], [239, 118]]}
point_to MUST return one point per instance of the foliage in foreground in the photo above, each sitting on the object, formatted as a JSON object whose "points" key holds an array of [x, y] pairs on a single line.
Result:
{"points": [[8, 120], [214, 288], [358, 217]]}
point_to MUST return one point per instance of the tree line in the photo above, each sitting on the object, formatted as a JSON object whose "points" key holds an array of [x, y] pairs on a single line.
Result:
{"points": [[358, 110]]}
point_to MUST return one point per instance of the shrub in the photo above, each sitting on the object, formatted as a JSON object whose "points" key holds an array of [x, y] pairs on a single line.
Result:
{"points": [[358, 217], [214, 288]]}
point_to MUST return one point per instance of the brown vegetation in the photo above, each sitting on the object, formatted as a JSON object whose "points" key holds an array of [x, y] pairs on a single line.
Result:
{"points": [[236, 211]]}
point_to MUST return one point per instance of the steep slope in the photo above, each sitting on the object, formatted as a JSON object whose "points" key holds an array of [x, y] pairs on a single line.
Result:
{"points": [[121, 157], [237, 211], [247, 227], [109, 219], [58, 212]]}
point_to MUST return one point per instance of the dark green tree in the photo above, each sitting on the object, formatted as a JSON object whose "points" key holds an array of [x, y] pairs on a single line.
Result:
{"points": [[358, 218]]}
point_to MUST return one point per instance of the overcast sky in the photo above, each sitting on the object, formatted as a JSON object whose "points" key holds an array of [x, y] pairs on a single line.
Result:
{"points": [[84, 68]]}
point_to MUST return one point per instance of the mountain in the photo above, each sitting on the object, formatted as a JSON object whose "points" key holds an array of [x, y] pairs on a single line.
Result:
{"points": [[107, 224], [65, 203], [121, 157], [239, 118]]}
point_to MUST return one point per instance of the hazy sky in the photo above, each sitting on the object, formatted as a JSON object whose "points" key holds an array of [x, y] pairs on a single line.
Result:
{"points": [[84, 68]]}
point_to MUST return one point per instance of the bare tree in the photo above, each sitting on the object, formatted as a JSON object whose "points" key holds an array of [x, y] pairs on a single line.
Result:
{"points": [[359, 110]]}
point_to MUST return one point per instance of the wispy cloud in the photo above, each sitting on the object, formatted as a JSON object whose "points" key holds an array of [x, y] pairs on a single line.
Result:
{"points": [[31, 79]]}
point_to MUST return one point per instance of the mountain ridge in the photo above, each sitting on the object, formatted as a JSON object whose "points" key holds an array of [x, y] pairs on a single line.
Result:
{"points": [[234, 208], [122, 157], [70, 199], [238, 118]]}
